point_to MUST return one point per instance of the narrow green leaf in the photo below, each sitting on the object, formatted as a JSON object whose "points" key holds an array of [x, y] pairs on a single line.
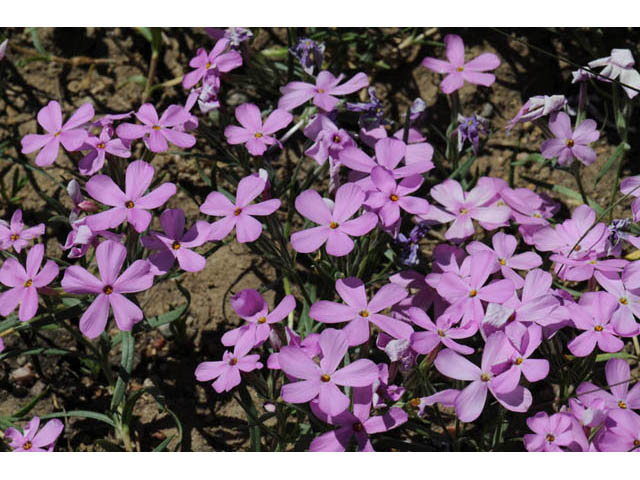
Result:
{"points": [[126, 365], [81, 414], [612, 160]]}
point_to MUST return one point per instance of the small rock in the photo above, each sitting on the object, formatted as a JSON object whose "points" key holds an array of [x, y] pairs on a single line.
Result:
{"points": [[487, 110], [23, 375]]}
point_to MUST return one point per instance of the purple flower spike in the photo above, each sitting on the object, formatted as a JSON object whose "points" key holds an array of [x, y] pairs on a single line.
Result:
{"points": [[215, 60], [15, 235], [359, 312], [570, 144], [33, 440], [156, 132], [322, 380], [254, 134], [457, 71], [71, 135], [24, 283], [390, 198], [334, 228], [175, 244], [109, 288], [227, 371], [324, 92], [240, 215], [131, 205]]}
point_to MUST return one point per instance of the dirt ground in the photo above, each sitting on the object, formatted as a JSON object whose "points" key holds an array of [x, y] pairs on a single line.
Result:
{"points": [[211, 421]]}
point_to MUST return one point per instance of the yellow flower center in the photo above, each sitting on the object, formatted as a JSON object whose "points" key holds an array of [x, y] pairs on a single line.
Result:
{"points": [[208, 65], [129, 204], [27, 445], [473, 293], [393, 197], [28, 283], [333, 225], [537, 215], [440, 333], [157, 127], [258, 135], [622, 404], [593, 262], [357, 427], [176, 245], [550, 438], [237, 211], [636, 443], [57, 134], [14, 237], [464, 211], [624, 300], [100, 146], [364, 313], [321, 90], [519, 361], [325, 378], [484, 377], [459, 69], [502, 261], [578, 248], [262, 320], [108, 289], [570, 143], [233, 361], [336, 139], [598, 328], [414, 402]]}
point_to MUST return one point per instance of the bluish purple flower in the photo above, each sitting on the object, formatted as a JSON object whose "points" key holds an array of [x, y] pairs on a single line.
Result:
{"points": [[470, 129], [309, 53], [372, 113]]}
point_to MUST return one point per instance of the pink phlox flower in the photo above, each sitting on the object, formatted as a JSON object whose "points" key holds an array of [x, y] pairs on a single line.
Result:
{"points": [[443, 331], [580, 269], [206, 95], [324, 92], [321, 380], [619, 65], [446, 258], [14, 234], [488, 378], [621, 433], [239, 215], [334, 226], [504, 247], [310, 346], [217, 60], [631, 186], [383, 392], [537, 107], [254, 134], [628, 302], [359, 424], [551, 433], [390, 198], [109, 289], [398, 350], [98, 147], [423, 295], [71, 135], [79, 203], [81, 237], [389, 153], [358, 312], [176, 244], [460, 207], [570, 144], [618, 375], [525, 341], [258, 327], [131, 205], [24, 284], [458, 71], [466, 294], [591, 415], [328, 140], [107, 121], [593, 314], [227, 371], [156, 132], [32, 440], [446, 398]]}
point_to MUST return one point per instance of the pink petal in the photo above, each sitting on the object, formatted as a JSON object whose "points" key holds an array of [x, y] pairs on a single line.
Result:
{"points": [[94, 319], [50, 117], [277, 120], [28, 304], [560, 125], [48, 154], [158, 197], [310, 205], [248, 189], [360, 373], [248, 229], [484, 79], [452, 82], [338, 244], [455, 49], [454, 365], [110, 256], [310, 240], [83, 115], [295, 362], [331, 312], [482, 63], [438, 66], [126, 313], [470, 402], [333, 344], [135, 278], [263, 208], [104, 190]]}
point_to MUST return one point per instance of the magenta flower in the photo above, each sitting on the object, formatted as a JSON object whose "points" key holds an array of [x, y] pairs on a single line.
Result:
{"points": [[322, 380], [466, 294], [157, 132], [334, 228], [390, 198], [359, 312], [99, 147], [461, 207], [109, 288], [470, 402], [175, 244], [324, 92], [227, 371], [570, 144], [33, 440], [457, 71], [593, 315], [535, 303], [618, 375], [71, 135], [253, 133], [329, 140], [24, 283], [131, 205], [442, 332], [359, 424], [553, 432], [15, 235], [504, 247], [525, 341], [258, 326], [215, 60], [240, 215], [622, 433], [628, 303]]}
